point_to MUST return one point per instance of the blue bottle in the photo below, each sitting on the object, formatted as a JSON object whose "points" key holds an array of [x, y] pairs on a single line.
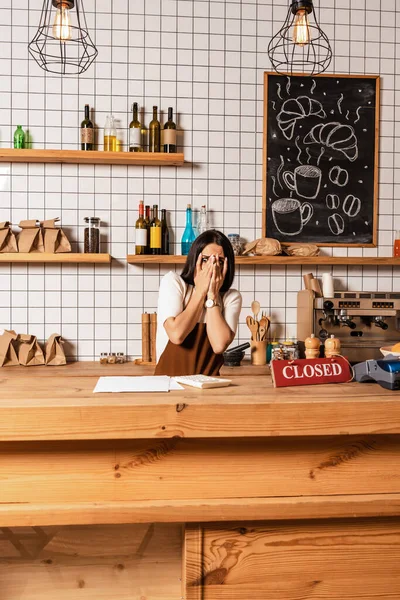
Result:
{"points": [[189, 235]]}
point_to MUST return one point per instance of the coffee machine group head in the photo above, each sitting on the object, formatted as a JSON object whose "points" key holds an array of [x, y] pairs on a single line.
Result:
{"points": [[363, 321]]}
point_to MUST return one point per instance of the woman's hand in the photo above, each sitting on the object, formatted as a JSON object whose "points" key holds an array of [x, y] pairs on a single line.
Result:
{"points": [[217, 277], [203, 274]]}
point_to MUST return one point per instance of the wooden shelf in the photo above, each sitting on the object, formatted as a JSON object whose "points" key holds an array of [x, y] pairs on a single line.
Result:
{"points": [[43, 257], [275, 260], [91, 158]]}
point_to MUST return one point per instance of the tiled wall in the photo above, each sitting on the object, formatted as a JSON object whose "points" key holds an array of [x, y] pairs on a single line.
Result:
{"points": [[205, 58]]}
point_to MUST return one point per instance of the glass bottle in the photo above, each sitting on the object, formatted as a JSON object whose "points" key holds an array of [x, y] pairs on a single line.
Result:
{"points": [[92, 235], [154, 132], [155, 232], [170, 133], [189, 235], [87, 131], [203, 221], [396, 244], [135, 132], [147, 220], [140, 231], [19, 137], [164, 233], [110, 135]]}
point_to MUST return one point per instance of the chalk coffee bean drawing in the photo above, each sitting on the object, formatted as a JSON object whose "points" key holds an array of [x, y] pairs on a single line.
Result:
{"points": [[351, 206], [290, 215], [336, 224], [332, 201], [339, 176], [298, 108], [336, 136]]}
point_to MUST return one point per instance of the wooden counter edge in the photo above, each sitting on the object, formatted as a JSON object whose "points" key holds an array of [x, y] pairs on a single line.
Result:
{"points": [[219, 509]]}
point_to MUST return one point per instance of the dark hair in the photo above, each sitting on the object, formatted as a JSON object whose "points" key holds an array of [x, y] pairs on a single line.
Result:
{"points": [[212, 236]]}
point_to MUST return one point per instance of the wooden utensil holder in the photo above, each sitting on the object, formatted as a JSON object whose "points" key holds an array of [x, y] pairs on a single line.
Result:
{"points": [[259, 352]]}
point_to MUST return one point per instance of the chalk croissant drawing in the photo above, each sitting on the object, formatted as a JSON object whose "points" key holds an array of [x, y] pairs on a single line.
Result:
{"points": [[295, 109], [336, 136], [339, 176]]}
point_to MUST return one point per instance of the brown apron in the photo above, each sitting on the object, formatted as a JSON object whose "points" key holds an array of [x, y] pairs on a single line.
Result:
{"points": [[194, 356]]}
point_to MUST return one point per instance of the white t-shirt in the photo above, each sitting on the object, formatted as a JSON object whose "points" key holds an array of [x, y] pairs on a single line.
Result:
{"points": [[173, 297]]}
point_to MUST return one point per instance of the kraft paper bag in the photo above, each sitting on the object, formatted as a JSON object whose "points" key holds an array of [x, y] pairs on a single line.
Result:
{"points": [[29, 351], [30, 239], [8, 354], [54, 351], [8, 242], [55, 240]]}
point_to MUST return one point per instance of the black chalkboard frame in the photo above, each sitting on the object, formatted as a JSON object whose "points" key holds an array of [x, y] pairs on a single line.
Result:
{"points": [[266, 230]]}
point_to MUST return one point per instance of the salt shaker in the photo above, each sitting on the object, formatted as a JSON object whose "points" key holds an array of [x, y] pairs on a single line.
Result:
{"points": [[312, 346]]}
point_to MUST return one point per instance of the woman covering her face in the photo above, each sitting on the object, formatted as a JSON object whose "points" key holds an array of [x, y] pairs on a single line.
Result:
{"points": [[198, 312]]}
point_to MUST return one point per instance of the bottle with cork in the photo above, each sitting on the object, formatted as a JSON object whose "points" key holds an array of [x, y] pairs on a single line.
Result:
{"points": [[312, 344]]}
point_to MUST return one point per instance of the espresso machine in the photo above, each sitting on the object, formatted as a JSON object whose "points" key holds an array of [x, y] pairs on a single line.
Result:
{"points": [[363, 321]]}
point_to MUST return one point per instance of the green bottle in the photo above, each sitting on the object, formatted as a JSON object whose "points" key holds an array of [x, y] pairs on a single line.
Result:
{"points": [[19, 137]]}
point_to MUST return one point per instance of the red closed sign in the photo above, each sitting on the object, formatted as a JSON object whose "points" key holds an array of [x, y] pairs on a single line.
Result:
{"points": [[310, 371]]}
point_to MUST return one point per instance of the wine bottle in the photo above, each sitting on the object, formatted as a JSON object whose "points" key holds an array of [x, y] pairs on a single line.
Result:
{"points": [[19, 137], [203, 221], [141, 231], [148, 221], [170, 133], [110, 135], [87, 131], [154, 133], [135, 132], [155, 232], [189, 235], [164, 233]]}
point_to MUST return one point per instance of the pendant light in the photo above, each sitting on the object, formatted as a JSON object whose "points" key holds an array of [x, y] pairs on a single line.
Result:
{"points": [[62, 43], [300, 45]]}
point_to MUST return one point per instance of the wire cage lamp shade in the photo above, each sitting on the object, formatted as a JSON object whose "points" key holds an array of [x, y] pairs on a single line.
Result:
{"points": [[62, 43], [300, 45]]}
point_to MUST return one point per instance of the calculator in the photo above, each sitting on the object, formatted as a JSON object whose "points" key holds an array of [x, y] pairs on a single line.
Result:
{"points": [[203, 382]]}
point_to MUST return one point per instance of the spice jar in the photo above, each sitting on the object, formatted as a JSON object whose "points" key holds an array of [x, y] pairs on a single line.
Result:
{"points": [[120, 358], [234, 239], [112, 358], [332, 347], [103, 358], [92, 235], [312, 345]]}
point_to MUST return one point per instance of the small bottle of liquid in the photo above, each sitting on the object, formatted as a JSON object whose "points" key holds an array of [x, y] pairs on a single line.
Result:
{"points": [[110, 135], [396, 244], [203, 223], [135, 132], [87, 131], [147, 220], [189, 235], [164, 233], [155, 232], [154, 132], [170, 133], [140, 231], [19, 137]]}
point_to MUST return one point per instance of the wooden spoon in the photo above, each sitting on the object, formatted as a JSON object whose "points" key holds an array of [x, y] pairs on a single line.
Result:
{"points": [[253, 326], [262, 333], [255, 308]]}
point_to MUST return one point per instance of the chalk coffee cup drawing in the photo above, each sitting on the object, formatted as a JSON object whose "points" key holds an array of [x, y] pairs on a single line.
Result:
{"points": [[305, 181], [290, 215]]}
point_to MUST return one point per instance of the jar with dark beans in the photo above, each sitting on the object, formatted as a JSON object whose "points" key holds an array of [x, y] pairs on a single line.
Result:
{"points": [[92, 235]]}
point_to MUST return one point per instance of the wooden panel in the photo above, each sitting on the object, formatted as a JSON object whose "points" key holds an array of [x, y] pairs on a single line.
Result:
{"points": [[198, 510], [196, 469], [118, 562], [338, 560], [43, 257], [90, 157], [275, 260], [36, 408]]}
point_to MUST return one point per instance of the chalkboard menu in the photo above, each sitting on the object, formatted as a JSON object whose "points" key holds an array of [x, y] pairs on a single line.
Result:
{"points": [[321, 159]]}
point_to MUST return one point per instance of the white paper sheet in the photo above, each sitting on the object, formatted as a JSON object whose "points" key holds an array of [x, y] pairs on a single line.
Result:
{"points": [[161, 383]]}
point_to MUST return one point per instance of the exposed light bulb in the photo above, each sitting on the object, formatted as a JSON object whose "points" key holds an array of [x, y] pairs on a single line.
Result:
{"points": [[62, 23], [301, 31]]}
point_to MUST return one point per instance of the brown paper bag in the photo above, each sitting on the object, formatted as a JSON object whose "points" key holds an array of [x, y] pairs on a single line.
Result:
{"points": [[8, 355], [55, 240], [30, 239], [8, 242], [263, 247], [54, 351], [29, 351]]}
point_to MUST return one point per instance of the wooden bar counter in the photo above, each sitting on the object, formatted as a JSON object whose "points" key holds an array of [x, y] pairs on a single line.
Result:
{"points": [[286, 493]]}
